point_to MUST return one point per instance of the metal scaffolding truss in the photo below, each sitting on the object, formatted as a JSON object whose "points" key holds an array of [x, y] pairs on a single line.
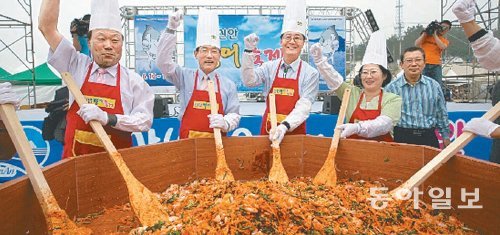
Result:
{"points": [[355, 22], [16, 39], [477, 81]]}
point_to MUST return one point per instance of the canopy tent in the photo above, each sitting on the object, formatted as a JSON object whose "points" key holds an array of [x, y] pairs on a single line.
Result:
{"points": [[43, 76], [3, 73]]}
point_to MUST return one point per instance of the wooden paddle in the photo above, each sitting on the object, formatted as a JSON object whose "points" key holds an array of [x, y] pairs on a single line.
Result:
{"points": [[222, 171], [147, 207], [440, 159], [277, 173], [57, 220], [327, 175]]}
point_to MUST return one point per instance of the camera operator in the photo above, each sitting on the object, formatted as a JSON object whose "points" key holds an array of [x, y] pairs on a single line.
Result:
{"points": [[433, 42], [79, 29]]}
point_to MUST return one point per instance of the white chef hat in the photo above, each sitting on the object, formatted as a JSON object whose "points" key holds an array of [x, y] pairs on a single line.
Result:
{"points": [[295, 17], [376, 50], [105, 14], [207, 31]]}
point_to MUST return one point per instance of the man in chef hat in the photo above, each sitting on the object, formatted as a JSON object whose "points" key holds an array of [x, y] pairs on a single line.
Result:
{"points": [[196, 120], [293, 81], [118, 97]]}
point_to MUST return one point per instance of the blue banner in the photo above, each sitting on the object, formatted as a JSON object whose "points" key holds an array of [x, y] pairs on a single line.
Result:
{"points": [[330, 33], [148, 29], [167, 129], [233, 29]]}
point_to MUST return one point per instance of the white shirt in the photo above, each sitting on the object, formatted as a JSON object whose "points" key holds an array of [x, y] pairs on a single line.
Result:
{"points": [[136, 95]]}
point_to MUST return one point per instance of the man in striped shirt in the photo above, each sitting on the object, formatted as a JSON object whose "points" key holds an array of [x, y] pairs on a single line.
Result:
{"points": [[424, 106]]}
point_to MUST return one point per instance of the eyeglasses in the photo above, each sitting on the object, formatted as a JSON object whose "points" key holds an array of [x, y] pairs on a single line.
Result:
{"points": [[205, 51], [372, 73], [296, 38], [411, 60]]}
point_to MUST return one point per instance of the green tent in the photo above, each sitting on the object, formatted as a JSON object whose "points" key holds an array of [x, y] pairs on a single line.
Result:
{"points": [[3, 73], [43, 76]]}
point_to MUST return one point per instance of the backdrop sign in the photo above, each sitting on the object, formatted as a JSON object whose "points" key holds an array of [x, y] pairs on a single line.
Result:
{"points": [[167, 129], [232, 31], [329, 32], [148, 29]]}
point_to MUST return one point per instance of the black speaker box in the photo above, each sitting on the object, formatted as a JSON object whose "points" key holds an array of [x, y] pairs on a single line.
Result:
{"points": [[331, 104], [160, 108]]}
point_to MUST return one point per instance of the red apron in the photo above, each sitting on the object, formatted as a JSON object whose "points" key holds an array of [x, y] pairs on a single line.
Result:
{"points": [[194, 123], [287, 94], [79, 137], [364, 115]]}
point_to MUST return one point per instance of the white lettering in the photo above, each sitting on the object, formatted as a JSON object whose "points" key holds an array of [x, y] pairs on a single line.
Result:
{"points": [[241, 132], [168, 134], [139, 138], [152, 138], [8, 170]]}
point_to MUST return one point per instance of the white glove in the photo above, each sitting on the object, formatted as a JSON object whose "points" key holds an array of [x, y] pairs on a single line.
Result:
{"points": [[278, 134], [348, 129], [232, 120], [317, 53], [90, 112], [381, 125], [174, 20], [335, 45], [217, 121], [481, 126], [251, 41], [464, 10], [7, 95]]}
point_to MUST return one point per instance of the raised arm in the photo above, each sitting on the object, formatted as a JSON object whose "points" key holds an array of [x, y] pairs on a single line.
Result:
{"points": [[420, 39], [485, 46], [332, 78], [47, 22], [439, 43], [166, 48], [250, 75]]}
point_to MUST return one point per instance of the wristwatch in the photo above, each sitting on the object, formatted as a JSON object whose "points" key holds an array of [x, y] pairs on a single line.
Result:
{"points": [[286, 124], [112, 120]]}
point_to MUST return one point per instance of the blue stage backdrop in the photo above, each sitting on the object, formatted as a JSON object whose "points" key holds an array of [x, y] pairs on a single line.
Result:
{"points": [[233, 29], [166, 129], [148, 29], [329, 32]]}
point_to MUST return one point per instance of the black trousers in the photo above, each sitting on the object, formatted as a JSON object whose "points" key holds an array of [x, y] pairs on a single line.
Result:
{"points": [[416, 136], [495, 151]]}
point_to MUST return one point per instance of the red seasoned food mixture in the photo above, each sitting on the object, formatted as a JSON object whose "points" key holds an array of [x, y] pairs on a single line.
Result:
{"points": [[299, 207]]}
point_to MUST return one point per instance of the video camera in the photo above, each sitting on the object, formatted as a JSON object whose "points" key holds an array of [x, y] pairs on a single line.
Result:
{"points": [[80, 26], [434, 26]]}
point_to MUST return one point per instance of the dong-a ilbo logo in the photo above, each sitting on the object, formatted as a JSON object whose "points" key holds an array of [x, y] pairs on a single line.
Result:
{"points": [[14, 168]]}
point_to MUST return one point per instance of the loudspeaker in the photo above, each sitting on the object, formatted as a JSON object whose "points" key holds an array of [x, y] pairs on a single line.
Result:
{"points": [[160, 108], [331, 104]]}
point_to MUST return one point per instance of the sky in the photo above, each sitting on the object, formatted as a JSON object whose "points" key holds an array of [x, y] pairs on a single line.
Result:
{"points": [[414, 12]]}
